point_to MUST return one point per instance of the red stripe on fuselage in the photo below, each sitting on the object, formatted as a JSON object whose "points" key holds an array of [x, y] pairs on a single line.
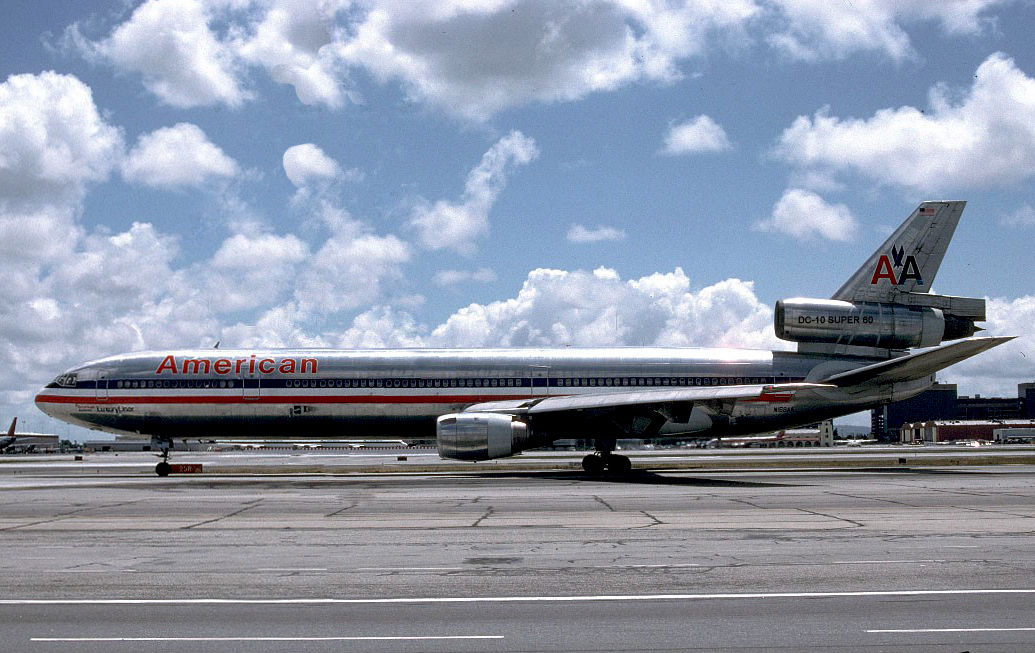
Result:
{"points": [[276, 399]]}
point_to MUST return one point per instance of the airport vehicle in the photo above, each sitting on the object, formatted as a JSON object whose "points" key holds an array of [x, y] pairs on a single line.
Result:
{"points": [[853, 353]]}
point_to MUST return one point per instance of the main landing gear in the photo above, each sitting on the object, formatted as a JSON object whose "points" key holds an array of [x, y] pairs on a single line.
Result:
{"points": [[603, 460], [600, 463]]}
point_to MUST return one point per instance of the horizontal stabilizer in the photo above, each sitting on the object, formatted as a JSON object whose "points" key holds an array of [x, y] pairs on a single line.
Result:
{"points": [[915, 366]]}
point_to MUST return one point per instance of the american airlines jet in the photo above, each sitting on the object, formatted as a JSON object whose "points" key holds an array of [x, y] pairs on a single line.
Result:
{"points": [[8, 440], [853, 353]]}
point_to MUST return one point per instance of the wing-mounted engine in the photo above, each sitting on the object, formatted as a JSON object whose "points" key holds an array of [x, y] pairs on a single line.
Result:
{"points": [[868, 328], [480, 436]]}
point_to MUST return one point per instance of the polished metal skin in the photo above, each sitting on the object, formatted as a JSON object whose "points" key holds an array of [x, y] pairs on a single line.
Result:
{"points": [[852, 355], [369, 393]]}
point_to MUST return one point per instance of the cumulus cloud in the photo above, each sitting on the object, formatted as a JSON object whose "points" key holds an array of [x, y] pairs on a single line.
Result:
{"points": [[454, 277], [181, 59], [381, 327], [121, 271], [581, 234], [996, 372], [805, 215], [814, 30], [106, 293], [348, 271], [250, 270], [474, 59], [457, 225], [701, 134], [177, 157], [316, 176], [294, 41], [32, 238], [53, 145], [53, 140], [557, 307], [985, 139], [306, 163], [192, 53]]}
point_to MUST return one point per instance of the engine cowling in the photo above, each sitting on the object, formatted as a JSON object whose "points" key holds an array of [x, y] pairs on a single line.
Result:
{"points": [[480, 436], [890, 326]]}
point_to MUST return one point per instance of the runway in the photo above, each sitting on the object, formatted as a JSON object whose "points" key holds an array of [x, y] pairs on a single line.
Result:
{"points": [[927, 559]]}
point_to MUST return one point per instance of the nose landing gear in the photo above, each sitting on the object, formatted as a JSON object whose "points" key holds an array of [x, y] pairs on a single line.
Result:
{"points": [[163, 468]]}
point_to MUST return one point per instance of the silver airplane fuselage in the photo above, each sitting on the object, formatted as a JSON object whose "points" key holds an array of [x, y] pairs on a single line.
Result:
{"points": [[399, 393], [881, 337]]}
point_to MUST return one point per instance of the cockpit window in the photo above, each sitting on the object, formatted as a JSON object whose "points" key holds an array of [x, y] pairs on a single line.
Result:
{"points": [[66, 380]]}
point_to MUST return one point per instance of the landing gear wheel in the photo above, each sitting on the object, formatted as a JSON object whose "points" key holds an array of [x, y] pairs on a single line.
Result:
{"points": [[593, 464], [598, 463], [619, 465], [163, 468]]}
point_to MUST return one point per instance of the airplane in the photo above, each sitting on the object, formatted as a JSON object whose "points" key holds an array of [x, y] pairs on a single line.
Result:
{"points": [[854, 352], [14, 442], [9, 439]]}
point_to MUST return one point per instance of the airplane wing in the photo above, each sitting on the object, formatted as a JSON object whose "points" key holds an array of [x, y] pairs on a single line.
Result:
{"points": [[647, 399], [915, 366]]}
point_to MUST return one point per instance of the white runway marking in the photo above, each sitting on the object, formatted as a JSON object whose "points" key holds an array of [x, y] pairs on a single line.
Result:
{"points": [[408, 569], [951, 630], [516, 599], [369, 638], [883, 562]]}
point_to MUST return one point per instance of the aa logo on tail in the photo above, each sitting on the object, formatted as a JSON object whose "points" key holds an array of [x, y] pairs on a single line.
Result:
{"points": [[906, 266]]}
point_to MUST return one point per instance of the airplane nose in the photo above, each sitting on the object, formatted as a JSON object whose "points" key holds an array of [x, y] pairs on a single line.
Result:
{"points": [[42, 404]]}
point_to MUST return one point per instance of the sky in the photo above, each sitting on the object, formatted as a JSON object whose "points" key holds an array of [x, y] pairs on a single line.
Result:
{"points": [[385, 173]]}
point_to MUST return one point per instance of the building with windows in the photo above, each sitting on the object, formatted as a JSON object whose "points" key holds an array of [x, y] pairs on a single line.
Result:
{"points": [[956, 430], [937, 402], [941, 402], [1026, 391]]}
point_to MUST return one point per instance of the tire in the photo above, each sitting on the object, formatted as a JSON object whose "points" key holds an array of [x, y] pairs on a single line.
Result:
{"points": [[619, 465], [593, 464], [163, 468]]}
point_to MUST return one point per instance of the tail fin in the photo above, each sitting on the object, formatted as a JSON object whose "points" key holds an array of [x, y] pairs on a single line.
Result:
{"points": [[10, 430], [908, 261]]}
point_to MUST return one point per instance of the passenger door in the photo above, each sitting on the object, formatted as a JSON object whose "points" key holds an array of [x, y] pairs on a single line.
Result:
{"points": [[540, 381]]}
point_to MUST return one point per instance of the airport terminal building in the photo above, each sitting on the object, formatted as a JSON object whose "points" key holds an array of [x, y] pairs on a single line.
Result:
{"points": [[941, 431], [941, 402]]}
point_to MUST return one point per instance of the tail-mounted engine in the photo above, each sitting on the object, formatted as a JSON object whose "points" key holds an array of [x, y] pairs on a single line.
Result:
{"points": [[480, 436], [921, 320]]}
